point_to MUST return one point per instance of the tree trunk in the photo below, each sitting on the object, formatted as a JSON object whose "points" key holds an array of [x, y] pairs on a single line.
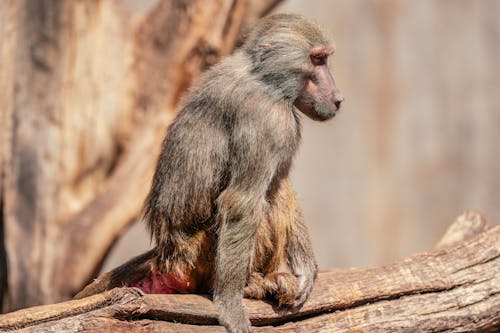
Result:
{"points": [[454, 288], [87, 90]]}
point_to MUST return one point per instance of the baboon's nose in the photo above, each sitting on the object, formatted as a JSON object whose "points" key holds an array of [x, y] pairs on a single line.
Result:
{"points": [[338, 99]]}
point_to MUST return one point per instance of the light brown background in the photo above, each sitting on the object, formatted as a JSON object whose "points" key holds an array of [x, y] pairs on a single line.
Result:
{"points": [[417, 141]]}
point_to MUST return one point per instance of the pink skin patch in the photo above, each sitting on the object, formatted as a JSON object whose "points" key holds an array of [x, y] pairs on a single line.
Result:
{"points": [[159, 283]]}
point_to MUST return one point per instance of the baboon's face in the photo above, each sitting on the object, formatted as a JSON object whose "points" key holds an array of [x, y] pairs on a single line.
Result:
{"points": [[320, 98]]}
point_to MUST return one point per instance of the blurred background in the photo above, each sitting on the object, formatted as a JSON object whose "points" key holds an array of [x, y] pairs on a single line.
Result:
{"points": [[416, 142], [88, 88]]}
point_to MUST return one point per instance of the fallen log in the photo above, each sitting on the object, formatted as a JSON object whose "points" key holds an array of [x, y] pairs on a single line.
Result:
{"points": [[453, 288]]}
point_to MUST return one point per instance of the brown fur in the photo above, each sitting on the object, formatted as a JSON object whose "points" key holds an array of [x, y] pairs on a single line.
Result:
{"points": [[221, 209]]}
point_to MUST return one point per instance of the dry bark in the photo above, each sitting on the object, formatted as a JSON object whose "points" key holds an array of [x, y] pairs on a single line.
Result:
{"points": [[88, 89], [453, 288]]}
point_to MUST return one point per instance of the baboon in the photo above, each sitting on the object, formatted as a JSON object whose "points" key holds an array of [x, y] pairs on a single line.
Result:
{"points": [[221, 211]]}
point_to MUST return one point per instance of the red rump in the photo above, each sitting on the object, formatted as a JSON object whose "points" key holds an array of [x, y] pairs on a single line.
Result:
{"points": [[158, 283]]}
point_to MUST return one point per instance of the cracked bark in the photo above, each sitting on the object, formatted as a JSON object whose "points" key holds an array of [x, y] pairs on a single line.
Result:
{"points": [[453, 288]]}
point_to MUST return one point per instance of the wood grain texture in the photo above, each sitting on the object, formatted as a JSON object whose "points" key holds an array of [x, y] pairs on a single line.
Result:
{"points": [[88, 89], [452, 289]]}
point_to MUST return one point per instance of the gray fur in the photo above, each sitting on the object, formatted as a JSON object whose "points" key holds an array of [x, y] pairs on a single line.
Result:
{"points": [[224, 162]]}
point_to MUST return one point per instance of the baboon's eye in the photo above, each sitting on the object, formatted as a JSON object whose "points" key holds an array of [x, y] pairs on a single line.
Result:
{"points": [[319, 59], [319, 55]]}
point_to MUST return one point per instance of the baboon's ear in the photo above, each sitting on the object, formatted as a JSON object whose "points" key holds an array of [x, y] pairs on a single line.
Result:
{"points": [[265, 46]]}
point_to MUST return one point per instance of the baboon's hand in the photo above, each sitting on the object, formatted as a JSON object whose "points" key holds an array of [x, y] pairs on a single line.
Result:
{"points": [[282, 286], [233, 316]]}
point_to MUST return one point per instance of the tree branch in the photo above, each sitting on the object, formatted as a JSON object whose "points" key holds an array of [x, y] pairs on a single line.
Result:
{"points": [[455, 288]]}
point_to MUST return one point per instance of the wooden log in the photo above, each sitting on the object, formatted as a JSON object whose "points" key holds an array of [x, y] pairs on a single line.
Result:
{"points": [[453, 288]]}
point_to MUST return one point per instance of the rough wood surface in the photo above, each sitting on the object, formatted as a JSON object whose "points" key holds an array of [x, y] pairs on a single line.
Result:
{"points": [[455, 288]]}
